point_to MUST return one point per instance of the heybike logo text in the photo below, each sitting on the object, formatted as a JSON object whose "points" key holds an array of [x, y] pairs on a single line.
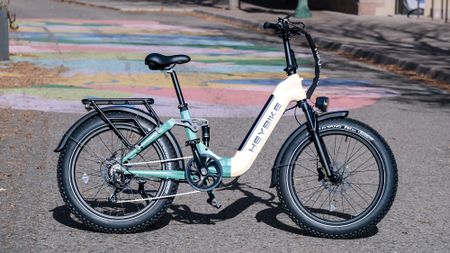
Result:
{"points": [[265, 127]]}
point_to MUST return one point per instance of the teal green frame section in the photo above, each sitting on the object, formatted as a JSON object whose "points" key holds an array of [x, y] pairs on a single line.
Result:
{"points": [[172, 174], [161, 174]]}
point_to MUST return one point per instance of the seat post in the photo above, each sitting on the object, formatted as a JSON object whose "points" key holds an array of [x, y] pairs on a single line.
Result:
{"points": [[181, 104]]}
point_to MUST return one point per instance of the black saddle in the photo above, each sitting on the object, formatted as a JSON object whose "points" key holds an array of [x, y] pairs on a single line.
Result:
{"points": [[157, 61]]}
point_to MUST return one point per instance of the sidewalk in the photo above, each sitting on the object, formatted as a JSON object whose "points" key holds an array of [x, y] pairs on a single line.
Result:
{"points": [[420, 45]]}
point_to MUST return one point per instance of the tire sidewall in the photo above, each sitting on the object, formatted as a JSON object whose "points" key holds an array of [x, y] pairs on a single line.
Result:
{"points": [[388, 188], [80, 207]]}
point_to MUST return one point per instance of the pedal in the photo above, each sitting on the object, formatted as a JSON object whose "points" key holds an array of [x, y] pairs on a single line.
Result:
{"points": [[213, 201]]}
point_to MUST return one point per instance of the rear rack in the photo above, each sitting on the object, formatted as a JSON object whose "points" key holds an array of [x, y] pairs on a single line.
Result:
{"points": [[93, 103], [118, 101]]}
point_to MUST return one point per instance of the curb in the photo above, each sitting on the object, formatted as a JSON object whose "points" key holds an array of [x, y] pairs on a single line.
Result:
{"points": [[130, 9], [230, 20], [90, 4], [379, 58]]}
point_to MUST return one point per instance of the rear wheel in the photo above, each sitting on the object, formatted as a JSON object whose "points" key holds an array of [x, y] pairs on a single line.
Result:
{"points": [[98, 193], [356, 202]]}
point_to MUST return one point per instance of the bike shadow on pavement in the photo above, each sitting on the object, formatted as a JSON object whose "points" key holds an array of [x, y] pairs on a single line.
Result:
{"points": [[269, 216], [184, 214], [62, 215]]}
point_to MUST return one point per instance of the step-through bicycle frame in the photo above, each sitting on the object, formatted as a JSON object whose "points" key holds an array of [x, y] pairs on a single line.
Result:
{"points": [[287, 91]]}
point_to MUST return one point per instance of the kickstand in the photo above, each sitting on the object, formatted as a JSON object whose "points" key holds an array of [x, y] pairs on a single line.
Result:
{"points": [[212, 200]]}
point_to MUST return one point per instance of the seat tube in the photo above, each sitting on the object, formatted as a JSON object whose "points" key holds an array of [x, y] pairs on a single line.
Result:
{"points": [[181, 103]]}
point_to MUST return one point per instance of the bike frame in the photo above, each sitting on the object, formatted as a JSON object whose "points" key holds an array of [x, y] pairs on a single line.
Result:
{"points": [[285, 92]]}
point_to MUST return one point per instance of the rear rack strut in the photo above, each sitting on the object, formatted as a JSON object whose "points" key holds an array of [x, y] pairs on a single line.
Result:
{"points": [[94, 103]]}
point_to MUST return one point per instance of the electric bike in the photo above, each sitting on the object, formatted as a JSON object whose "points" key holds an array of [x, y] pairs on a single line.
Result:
{"points": [[119, 166]]}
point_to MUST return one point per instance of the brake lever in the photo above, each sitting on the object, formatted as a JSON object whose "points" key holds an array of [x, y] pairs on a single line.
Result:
{"points": [[298, 23], [289, 16]]}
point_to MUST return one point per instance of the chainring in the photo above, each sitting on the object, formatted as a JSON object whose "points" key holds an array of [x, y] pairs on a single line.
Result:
{"points": [[206, 179]]}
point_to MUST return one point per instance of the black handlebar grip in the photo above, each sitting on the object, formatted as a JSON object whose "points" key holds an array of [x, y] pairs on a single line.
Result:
{"points": [[268, 25]]}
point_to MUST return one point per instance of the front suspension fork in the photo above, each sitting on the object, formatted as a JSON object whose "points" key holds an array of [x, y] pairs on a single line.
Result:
{"points": [[313, 129]]}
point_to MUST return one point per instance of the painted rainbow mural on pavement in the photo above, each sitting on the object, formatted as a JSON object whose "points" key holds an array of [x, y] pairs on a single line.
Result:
{"points": [[105, 58]]}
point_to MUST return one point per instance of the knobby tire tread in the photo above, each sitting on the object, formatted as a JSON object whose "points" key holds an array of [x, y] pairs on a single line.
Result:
{"points": [[88, 223], [362, 231]]}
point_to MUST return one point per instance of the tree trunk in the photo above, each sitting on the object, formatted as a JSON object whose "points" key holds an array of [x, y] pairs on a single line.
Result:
{"points": [[233, 4], [4, 38]]}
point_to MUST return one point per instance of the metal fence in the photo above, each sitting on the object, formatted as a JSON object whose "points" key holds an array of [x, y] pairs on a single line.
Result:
{"points": [[438, 10]]}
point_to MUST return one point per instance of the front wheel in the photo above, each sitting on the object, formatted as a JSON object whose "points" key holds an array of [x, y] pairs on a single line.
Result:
{"points": [[355, 203]]}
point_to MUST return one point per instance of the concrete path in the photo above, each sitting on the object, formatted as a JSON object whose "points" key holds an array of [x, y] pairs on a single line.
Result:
{"points": [[231, 74]]}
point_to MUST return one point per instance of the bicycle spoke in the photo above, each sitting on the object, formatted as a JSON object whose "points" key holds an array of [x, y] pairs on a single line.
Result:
{"points": [[337, 201], [318, 197], [306, 168], [358, 170], [312, 195], [355, 202], [96, 155], [104, 144], [94, 187], [339, 148], [356, 185], [95, 196], [354, 158], [313, 180], [306, 176], [346, 152], [324, 201], [359, 194], [334, 149], [311, 188], [362, 183]]}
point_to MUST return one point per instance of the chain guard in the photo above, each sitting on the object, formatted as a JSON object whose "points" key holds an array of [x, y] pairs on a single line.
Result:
{"points": [[209, 179]]}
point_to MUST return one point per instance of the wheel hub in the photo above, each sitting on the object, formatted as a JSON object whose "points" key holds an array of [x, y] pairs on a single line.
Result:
{"points": [[337, 177], [338, 169], [111, 172]]}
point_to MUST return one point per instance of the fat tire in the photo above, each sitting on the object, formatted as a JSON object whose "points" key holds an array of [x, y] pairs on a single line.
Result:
{"points": [[361, 226], [92, 220]]}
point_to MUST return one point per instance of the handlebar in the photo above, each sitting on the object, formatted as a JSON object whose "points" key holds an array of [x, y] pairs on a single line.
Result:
{"points": [[286, 30]]}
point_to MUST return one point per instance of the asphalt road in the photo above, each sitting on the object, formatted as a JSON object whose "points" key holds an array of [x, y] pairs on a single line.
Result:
{"points": [[34, 219]]}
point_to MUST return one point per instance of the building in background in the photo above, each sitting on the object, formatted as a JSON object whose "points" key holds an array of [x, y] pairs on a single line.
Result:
{"points": [[363, 7], [357, 7]]}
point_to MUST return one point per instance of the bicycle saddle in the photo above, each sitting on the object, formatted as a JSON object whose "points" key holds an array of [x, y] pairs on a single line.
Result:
{"points": [[156, 61]]}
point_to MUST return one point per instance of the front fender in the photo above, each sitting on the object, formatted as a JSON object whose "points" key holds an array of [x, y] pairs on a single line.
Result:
{"points": [[132, 110], [299, 130]]}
